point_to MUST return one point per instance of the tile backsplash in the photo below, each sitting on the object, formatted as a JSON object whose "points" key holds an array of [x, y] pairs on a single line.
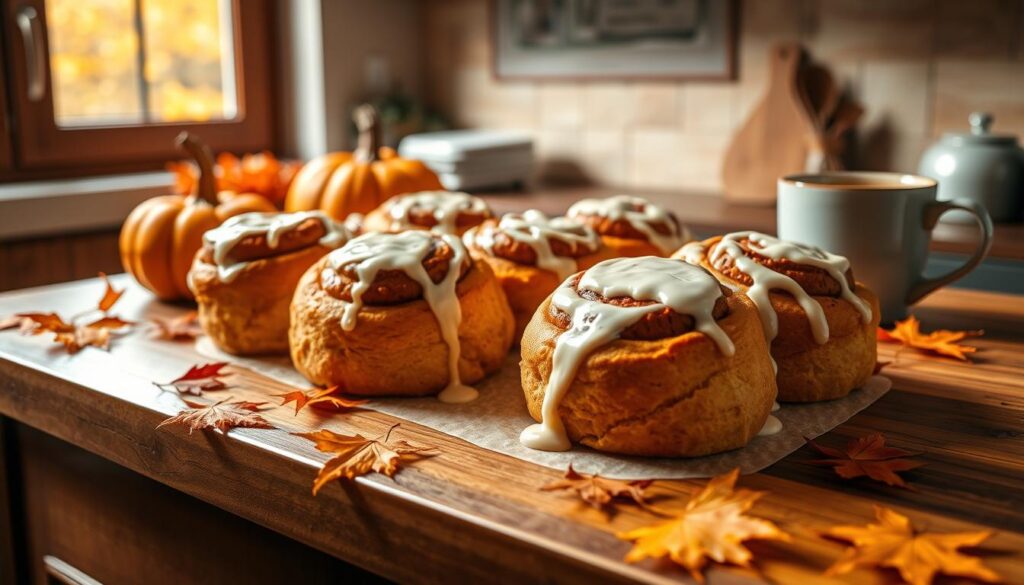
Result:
{"points": [[918, 66]]}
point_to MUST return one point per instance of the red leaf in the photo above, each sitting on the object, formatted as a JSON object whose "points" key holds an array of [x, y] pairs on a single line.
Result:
{"points": [[867, 456], [198, 379]]}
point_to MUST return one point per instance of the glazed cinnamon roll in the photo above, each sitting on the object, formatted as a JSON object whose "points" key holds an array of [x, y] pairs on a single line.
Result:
{"points": [[441, 211], [646, 356], [244, 276], [531, 254], [400, 314], [819, 321], [631, 226]]}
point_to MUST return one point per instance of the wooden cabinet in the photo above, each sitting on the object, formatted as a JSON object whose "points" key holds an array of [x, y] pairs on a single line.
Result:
{"points": [[81, 519]]}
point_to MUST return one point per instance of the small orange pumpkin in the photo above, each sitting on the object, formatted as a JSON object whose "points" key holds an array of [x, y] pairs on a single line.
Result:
{"points": [[161, 235], [340, 183]]}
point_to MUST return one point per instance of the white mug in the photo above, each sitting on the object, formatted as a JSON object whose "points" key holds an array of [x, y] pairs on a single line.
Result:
{"points": [[882, 222]]}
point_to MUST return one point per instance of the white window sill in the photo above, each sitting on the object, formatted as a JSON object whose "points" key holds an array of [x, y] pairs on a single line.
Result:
{"points": [[75, 205]]}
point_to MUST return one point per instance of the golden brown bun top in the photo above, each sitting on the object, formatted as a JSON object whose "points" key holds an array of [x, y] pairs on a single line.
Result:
{"points": [[660, 324], [814, 280], [623, 228], [255, 247], [503, 245], [420, 210], [392, 287]]}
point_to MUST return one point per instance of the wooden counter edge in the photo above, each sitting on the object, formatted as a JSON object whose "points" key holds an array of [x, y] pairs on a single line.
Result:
{"points": [[397, 526]]}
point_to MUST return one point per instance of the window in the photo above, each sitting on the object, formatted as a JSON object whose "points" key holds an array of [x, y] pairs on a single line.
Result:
{"points": [[98, 84]]}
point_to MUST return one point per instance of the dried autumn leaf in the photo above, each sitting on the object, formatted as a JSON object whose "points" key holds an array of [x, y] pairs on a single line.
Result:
{"points": [[24, 324], [867, 456], [918, 556], [198, 379], [940, 342], [73, 337], [183, 327], [222, 415], [356, 455], [110, 295], [599, 491], [327, 398], [713, 526]]}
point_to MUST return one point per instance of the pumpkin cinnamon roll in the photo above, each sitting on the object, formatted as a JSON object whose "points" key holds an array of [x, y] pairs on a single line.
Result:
{"points": [[400, 314], [531, 254], [819, 321], [441, 211], [244, 275], [631, 226], [646, 356]]}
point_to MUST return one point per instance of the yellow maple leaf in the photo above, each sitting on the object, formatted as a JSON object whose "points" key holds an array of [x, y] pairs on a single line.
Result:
{"points": [[941, 341], [356, 455], [918, 556], [713, 526]]}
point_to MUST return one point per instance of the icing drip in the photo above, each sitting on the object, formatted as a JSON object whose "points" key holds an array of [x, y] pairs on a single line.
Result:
{"points": [[535, 229], [273, 225], [771, 426], [765, 279], [370, 253], [446, 206], [684, 288], [625, 207]]}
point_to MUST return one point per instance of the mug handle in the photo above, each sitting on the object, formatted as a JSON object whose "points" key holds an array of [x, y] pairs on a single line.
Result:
{"points": [[932, 212]]}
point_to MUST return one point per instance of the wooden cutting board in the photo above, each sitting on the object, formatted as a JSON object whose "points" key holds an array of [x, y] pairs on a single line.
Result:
{"points": [[778, 138]]}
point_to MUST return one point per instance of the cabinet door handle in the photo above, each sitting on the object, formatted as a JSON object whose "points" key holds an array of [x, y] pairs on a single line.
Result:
{"points": [[62, 572], [32, 39]]}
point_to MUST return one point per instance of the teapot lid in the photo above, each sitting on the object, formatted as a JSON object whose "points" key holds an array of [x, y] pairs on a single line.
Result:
{"points": [[980, 134]]}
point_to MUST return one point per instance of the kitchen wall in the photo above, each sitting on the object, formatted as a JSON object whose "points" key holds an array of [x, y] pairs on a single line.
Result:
{"points": [[919, 66]]}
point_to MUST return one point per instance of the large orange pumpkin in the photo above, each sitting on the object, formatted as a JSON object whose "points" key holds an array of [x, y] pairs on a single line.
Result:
{"points": [[340, 183], [163, 234]]}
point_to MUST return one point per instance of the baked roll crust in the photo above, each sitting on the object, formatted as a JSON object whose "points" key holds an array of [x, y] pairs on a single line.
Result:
{"points": [[531, 254], [819, 321], [631, 226], [244, 276], [406, 314], [442, 211], [684, 372]]}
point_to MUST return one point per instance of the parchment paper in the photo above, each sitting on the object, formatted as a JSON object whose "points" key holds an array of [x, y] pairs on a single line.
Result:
{"points": [[495, 419]]}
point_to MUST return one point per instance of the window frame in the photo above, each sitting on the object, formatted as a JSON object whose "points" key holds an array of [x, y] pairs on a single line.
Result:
{"points": [[36, 146]]}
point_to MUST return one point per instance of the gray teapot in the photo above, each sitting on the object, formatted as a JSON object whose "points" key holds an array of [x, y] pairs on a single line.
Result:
{"points": [[979, 165]]}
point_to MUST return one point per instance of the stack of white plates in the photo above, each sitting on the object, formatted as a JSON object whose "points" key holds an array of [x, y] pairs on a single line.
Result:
{"points": [[473, 159]]}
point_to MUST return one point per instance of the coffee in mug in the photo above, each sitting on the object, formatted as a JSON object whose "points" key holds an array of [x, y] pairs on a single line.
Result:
{"points": [[882, 222]]}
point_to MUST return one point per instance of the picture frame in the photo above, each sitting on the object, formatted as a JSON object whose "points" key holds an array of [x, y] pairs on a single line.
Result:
{"points": [[614, 39]]}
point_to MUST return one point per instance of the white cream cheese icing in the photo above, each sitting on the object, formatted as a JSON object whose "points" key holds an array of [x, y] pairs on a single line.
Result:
{"points": [[640, 213], [445, 207], [536, 230]]}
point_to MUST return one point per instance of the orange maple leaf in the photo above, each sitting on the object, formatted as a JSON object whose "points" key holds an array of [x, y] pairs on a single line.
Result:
{"points": [[939, 342], [599, 491], [326, 398], [713, 526], [867, 456], [198, 379], [110, 295], [356, 455], [24, 324], [222, 415], [181, 328], [918, 556]]}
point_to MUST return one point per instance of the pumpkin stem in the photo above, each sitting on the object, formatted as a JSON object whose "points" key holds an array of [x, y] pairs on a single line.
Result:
{"points": [[206, 187], [368, 123]]}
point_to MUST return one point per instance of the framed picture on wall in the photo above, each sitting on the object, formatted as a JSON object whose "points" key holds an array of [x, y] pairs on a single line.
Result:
{"points": [[614, 39]]}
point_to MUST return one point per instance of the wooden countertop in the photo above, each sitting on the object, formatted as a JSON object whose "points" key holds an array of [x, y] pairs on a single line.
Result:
{"points": [[473, 515], [711, 214]]}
